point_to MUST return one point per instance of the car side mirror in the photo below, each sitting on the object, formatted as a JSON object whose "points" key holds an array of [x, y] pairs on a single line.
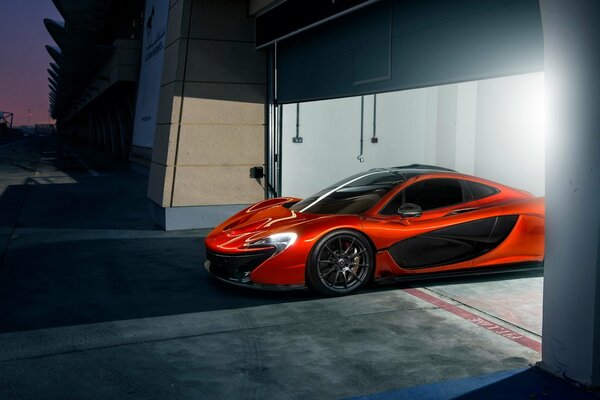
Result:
{"points": [[409, 210]]}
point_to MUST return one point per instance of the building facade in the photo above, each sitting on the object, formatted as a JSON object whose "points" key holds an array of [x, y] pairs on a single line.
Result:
{"points": [[224, 103]]}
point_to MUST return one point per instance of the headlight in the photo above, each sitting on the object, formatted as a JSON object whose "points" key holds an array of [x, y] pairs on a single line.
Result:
{"points": [[280, 241]]}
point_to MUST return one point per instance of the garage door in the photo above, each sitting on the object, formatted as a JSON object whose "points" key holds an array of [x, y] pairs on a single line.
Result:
{"points": [[394, 45]]}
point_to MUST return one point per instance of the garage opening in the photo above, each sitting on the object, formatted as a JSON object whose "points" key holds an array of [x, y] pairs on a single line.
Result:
{"points": [[492, 128], [458, 85]]}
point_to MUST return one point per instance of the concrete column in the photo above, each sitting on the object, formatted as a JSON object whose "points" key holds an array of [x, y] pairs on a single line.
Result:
{"points": [[211, 115], [113, 129], [94, 133], [101, 132], [571, 327], [106, 121], [88, 127], [82, 127], [92, 128], [122, 127], [118, 130], [98, 130], [103, 117], [129, 112]]}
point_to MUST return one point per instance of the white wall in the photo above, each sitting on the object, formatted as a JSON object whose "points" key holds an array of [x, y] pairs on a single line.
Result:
{"points": [[488, 128], [466, 127], [509, 146], [330, 131]]}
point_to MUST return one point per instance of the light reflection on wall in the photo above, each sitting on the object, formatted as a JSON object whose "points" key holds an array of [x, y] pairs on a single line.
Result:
{"points": [[491, 128]]}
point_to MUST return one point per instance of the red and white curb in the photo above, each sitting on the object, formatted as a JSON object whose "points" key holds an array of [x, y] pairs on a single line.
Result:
{"points": [[476, 319]]}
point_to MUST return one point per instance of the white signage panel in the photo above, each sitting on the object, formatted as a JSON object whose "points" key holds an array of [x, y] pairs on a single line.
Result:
{"points": [[153, 44]]}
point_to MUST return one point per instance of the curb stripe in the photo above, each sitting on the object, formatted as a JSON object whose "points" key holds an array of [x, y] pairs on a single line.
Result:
{"points": [[477, 320]]}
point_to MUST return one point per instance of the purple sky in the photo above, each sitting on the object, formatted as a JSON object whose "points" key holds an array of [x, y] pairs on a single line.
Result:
{"points": [[24, 60]]}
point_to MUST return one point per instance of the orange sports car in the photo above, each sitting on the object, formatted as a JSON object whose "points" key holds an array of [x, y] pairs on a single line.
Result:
{"points": [[383, 224]]}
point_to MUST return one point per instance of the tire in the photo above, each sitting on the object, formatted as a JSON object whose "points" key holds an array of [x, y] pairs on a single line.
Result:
{"points": [[340, 263]]}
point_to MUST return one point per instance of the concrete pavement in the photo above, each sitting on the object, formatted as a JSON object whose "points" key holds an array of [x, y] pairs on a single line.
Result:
{"points": [[95, 302]]}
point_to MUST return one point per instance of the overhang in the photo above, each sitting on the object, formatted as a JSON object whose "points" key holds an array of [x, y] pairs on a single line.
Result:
{"points": [[85, 41]]}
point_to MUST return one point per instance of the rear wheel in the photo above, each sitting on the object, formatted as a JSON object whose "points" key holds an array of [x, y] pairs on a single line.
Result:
{"points": [[340, 263]]}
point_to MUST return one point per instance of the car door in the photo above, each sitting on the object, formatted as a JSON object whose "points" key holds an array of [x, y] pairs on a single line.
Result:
{"points": [[437, 197], [451, 230]]}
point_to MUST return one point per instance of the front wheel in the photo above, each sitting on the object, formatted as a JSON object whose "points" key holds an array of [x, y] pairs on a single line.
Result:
{"points": [[340, 263]]}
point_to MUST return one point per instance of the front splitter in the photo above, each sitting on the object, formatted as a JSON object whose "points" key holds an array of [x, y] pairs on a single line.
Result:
{"points": [[252, 285]]}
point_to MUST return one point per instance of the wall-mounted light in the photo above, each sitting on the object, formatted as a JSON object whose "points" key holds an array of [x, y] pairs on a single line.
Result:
{"points": [[257, 172]]}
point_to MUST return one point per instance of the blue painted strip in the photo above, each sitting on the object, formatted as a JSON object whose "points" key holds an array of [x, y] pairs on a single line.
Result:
{"points": [[522, 383]]}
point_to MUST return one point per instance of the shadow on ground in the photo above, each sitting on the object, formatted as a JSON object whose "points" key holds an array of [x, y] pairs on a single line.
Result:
{"points": [[79, 246], [49, 282], [87, 251], [96, 280]]}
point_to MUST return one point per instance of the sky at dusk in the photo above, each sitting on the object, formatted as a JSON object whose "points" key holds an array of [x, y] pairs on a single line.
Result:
{"points": [[24, 59]]}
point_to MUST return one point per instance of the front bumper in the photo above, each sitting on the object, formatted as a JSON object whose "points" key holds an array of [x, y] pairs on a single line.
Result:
{"points": [[236, 269]]}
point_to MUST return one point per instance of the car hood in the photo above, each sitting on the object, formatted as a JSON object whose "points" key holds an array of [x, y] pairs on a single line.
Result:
{"points": [[273, 216], [258, 221]]}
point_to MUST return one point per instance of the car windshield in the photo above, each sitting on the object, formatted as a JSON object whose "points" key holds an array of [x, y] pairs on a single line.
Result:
{"points": [[354, 195]]}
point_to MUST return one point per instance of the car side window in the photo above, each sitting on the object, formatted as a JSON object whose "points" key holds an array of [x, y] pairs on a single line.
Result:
{"points": [[427, 194], [479, 190]]}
